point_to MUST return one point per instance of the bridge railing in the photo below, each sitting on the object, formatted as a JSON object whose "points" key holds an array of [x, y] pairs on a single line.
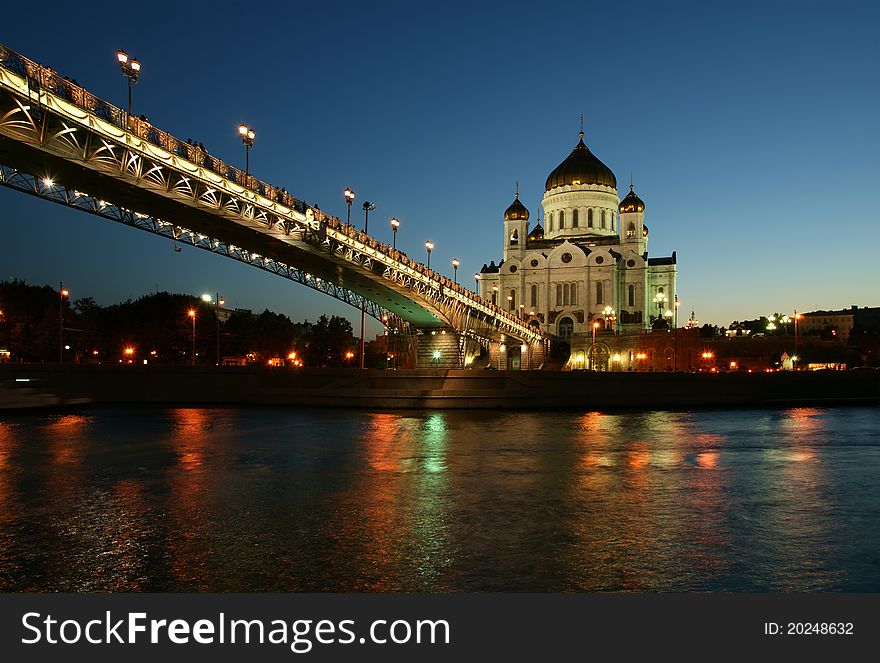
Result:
{"points": [[41, 78]]}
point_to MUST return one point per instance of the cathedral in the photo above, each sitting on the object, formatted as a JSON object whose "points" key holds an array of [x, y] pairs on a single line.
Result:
{"points": [[588, 268]]}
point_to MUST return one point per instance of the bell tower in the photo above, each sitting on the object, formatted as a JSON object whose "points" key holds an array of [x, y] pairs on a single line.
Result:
{"points": [[516, 228]]}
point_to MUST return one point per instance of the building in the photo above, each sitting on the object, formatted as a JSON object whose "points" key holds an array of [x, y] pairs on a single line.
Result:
{"points": [[839, 324], [589, 265]]}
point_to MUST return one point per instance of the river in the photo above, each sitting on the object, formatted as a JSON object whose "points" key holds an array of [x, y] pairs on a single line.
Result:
{"points": [[266, 499]]}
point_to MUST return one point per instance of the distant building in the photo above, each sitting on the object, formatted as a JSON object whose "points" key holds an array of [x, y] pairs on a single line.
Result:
{"points": [[839, 323]]}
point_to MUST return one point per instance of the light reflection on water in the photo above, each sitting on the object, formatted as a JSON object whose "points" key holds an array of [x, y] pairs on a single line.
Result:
{"points": [[317, 500]]}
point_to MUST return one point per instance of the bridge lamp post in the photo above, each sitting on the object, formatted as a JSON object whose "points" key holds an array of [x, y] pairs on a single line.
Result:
{"points": [[477, 284], [62, 293], [131, 69], [348, 194], [455, 265], [395, 224], [192, 314], [247, 139], [429, 246]]}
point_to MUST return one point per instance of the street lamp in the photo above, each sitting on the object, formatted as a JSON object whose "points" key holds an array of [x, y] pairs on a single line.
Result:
{"points": [[247, 139], [348, 194], [477, 284], [395, 224], [192, 314], [131, 69], [218, 302], [593, 345], [429, 246], [455, 265], [509, 302], [62, 293], [368, 207], [675, 334], [797, 316]]}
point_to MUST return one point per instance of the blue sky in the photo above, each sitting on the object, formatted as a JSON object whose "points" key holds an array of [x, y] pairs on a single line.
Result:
{"points": [[750, 130]]}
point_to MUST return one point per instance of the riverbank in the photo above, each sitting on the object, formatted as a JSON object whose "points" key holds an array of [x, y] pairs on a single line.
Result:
{"points": [[46, 385]]}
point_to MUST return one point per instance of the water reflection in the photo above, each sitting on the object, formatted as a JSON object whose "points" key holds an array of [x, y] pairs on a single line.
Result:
{"points": [[293, 500]]}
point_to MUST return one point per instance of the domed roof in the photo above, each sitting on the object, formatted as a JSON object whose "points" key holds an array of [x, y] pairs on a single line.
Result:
{"points": [[581, 167], [537, 232], [632, 203], [517, 211]]}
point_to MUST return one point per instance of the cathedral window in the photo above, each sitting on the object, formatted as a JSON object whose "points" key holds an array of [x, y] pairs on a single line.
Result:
{"points": [[631, 295], [574, 219], [574, 294], [631, 231], [550, 221], [603, 219], [565, 294], [600, 299], [562, 219], [590, 218], [558, 294], [612, 219], [514, 237], [534, 296]]}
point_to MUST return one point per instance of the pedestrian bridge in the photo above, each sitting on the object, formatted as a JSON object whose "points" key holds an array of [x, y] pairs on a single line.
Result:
{"points": [[61, 143]]}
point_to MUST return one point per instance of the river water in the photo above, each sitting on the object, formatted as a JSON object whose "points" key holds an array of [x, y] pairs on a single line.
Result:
{"points": [[253, 499]]}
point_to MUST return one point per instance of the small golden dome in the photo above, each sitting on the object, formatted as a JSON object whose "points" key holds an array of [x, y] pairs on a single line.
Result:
{"points": [[517, 211], [632, 203]]}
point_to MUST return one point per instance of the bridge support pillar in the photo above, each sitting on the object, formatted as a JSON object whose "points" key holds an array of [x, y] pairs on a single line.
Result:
{"points": [[510, 354], [444, 349]]}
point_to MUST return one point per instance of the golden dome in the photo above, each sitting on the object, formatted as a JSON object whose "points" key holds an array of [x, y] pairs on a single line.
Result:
{"points": [[581, 167], [632, 203], [517, 211]]}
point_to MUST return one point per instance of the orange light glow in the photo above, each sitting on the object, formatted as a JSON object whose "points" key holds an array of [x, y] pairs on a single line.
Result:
{"points": [[191, 313], [129, 351]]}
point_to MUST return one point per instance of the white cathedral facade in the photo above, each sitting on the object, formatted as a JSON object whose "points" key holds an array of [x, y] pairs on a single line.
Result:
{"points": [[589, 265]]}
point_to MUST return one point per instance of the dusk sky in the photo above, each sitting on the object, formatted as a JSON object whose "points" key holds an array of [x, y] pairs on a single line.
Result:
{"points": [[750, 129]]}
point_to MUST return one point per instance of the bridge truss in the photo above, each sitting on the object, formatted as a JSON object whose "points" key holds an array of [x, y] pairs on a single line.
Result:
{"points": [[122, 168]]}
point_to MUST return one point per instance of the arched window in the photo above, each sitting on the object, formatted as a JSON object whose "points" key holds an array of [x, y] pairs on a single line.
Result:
{"points": [[574, 294], [574, 219], [534, 296], [590, 218], [603, 219], [631, 230], [549, 220], [612, 219], [562, 219], [660, 290], [566, 292], [558, 294], [514, 237], [512, 300], [566, 328], [631, 295], [600, 299]]}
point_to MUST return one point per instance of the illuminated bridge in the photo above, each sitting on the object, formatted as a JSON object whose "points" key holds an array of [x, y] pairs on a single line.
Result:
{"points": [[63, 144]]}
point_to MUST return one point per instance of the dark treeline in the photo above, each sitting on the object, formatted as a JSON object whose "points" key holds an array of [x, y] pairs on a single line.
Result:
{"points": [[37, 324]]}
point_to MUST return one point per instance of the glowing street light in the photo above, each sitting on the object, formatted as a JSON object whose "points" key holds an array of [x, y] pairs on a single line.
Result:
{"points": [[429, 246], [455, 265], [395, 224], [477, 284], [593, 344], [192, 314], [247, 139], [62, 292], [131, 69], [348, 194]]}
